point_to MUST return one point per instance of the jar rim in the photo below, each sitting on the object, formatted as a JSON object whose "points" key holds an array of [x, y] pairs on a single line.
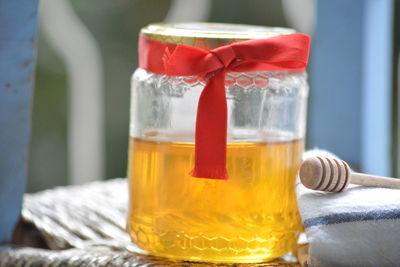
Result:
{"points": [[208, 35]]}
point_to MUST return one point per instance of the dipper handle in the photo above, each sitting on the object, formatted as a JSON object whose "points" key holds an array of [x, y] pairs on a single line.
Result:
{"points": [[374, 181], [334, 175]]}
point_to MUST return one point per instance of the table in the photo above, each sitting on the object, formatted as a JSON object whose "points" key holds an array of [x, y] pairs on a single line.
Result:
{"points": [[84, 226]]}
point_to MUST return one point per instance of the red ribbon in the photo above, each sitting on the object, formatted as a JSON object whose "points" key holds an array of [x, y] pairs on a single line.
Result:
{"points": [[284, 52]]}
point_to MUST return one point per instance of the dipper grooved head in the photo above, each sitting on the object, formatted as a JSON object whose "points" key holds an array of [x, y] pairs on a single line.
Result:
{"points": [[325, 174]]}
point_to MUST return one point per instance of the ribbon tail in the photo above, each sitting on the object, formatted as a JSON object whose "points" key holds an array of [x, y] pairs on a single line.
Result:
{"points": [[211, 130]]}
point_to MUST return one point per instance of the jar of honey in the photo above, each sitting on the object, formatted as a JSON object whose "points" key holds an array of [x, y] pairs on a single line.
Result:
{"points": [[241, 205]]}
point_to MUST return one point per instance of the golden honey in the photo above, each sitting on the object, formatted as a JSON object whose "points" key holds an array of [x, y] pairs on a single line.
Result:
{"points": [[251, 217]]}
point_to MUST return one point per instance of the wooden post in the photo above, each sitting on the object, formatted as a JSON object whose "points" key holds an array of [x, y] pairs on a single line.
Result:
{"points": [[18, 23], [350, 94]]}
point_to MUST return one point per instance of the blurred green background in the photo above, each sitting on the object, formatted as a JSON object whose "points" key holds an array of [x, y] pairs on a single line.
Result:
{"points": [[115, 25]]}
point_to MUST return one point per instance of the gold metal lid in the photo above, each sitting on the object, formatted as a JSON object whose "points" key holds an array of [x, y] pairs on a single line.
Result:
{"points": [[209, 35]]}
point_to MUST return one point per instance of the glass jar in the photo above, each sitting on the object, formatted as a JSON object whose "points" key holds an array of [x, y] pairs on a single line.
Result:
{"points": [[252, 216]]}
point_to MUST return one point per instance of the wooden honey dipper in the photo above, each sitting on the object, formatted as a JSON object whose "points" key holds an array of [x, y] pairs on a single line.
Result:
{"points": [[334, 175]]}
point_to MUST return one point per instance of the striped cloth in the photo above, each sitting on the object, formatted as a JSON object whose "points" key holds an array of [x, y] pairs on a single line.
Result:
{"points": [[357, 227]]}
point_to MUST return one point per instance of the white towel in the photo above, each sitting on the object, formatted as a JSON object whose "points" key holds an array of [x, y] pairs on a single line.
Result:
{"points": [[357, 227]]}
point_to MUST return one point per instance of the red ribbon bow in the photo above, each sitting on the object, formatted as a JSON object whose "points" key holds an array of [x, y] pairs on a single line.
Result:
{"points": [[284, 52]]}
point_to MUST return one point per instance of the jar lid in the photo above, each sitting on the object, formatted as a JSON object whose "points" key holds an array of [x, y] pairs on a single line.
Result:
{"points": [[209, 35]]}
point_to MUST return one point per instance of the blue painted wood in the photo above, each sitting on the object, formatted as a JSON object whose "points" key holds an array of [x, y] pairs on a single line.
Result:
{"points": [[376, 95], [350, 82], [18, 23], [336, 79]]}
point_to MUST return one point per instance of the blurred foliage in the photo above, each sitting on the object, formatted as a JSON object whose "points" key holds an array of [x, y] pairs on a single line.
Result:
{"points": [[115, 25], [47, 159]]}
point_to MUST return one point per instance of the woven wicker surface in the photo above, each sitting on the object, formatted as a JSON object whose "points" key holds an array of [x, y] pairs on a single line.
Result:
{"points": [[85, 226]]}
